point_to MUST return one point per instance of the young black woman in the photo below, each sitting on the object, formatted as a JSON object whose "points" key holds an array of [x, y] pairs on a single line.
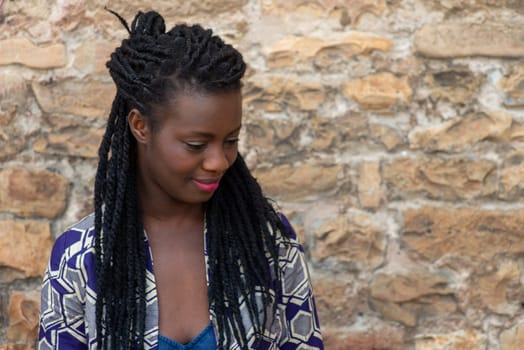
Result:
{"points": [[183, 249]]}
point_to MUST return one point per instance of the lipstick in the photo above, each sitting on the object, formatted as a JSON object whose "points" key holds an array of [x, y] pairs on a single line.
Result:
{"points": [[207, 186]]}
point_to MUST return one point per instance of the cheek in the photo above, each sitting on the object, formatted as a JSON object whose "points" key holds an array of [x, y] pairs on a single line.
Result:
{"points": [[180, 160], [171, 157]]}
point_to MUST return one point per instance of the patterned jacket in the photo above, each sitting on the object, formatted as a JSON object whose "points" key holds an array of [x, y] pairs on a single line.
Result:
{"points": [[67, 317]]}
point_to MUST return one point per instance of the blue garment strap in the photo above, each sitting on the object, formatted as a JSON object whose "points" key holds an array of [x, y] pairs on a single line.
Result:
{"points": [[205, 340]]}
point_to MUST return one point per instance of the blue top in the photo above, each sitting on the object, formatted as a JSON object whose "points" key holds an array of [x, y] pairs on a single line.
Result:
{"points": [[205, 340]]}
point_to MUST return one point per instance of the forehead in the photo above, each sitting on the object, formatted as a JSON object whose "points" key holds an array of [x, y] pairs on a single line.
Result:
{"points": [[198, 110]]}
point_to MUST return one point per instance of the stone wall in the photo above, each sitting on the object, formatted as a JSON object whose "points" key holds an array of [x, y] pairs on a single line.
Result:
{"points": [[390, 132]]}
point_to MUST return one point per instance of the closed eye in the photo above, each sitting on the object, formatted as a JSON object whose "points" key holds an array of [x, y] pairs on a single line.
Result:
{"points": [[232, 142], [195, 146]]}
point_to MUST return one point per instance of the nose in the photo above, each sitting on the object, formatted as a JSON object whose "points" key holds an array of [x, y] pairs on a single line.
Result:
{"points": [[216, 160]]}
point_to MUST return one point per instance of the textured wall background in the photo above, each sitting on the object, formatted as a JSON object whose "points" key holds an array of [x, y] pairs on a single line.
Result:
{"points": [[390, 131]]}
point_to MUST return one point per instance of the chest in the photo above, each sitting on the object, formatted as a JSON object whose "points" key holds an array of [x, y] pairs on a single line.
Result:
{"points": [[180, 277]]}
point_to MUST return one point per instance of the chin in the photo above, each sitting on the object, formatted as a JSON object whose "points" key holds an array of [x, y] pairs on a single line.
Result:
{"points": [[201, 198]]}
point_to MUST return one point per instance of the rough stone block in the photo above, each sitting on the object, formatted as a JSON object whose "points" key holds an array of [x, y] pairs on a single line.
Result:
{"points": [[440, 178], [381, 91], [513, 86], [25, 246], [32, 192], [492, 289], [23, 51], [290, 52], [336, 298], [463, 235], [306, 180], [374, 336], [512, 338], [461, 133], [274, 93], [355, 239], [405, 296], [24, 310], [89, 98], [470, 39], [78, 142]]}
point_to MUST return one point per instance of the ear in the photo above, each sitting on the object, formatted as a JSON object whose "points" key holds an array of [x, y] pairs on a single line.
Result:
{"points": [[138, 126]]}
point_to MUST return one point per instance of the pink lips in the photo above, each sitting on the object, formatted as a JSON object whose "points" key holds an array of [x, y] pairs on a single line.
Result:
{"points": [[207, 185]]}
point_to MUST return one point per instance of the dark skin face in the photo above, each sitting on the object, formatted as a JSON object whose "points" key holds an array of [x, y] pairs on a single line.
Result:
{"points": [[180, 164], [193, 144]]}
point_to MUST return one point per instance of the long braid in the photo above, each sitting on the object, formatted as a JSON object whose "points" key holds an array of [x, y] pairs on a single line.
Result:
{"points": [[149, 68], [240, 193]]}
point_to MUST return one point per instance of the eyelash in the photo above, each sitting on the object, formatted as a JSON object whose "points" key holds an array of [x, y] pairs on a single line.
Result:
{"points": [[232, 141], [200, 146], [194, 146]]}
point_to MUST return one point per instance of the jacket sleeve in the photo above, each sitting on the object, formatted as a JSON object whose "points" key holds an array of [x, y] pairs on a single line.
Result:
{"points": [[62, 321], [297, 303]]}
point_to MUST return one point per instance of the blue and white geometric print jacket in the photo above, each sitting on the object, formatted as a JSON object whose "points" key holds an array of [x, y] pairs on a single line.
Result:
{"points": [[67, 317]]}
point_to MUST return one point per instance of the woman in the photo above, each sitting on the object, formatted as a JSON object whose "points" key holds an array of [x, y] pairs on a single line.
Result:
{"points": [[183, 248]]}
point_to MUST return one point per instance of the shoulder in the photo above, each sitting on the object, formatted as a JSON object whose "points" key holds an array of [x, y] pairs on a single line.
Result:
{"points": [[287, 235], [74, 243], [290, 248]]}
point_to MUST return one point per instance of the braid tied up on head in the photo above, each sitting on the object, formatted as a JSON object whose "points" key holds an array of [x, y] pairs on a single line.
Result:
{"points": [[148, 69]]}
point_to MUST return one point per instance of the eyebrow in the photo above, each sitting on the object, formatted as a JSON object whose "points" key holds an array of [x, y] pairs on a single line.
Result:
{"points": [[209, 134]]}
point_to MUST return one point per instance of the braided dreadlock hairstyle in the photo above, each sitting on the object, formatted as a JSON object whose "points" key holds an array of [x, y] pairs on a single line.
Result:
{"points": [[149, 67]]}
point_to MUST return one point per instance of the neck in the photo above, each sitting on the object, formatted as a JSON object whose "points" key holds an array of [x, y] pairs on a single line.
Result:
{"points": [[158, 207]]}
